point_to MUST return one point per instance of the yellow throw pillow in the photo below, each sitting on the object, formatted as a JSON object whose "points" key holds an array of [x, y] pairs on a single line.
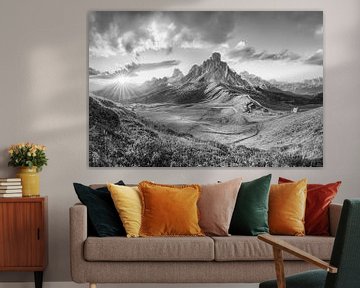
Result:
{"points": [[287, 204], [169, 210], [127, 201]]}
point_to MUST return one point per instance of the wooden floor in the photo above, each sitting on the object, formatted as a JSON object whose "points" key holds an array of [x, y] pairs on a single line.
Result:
{"points": [[74, 285]]}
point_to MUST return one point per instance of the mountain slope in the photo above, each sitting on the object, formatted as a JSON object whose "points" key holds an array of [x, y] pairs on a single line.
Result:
{"points": [[296, 133], [212, 81], [118, 137]]}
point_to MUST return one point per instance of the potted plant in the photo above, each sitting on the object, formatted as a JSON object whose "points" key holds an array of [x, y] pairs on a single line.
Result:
{"points": [[30, 158]]}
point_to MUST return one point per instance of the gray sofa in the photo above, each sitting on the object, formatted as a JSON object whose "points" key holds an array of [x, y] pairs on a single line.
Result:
{"points": [[234, 259]]}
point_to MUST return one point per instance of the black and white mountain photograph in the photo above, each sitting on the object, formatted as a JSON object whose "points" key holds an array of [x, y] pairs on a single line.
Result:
{"points": [[205, 89]]}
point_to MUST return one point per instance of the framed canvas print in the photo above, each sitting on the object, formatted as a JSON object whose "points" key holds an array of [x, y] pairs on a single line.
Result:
{"points": [[205, 89]]}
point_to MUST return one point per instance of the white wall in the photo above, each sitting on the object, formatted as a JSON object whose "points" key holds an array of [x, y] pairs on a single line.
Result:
{"points": [[43, 88]]}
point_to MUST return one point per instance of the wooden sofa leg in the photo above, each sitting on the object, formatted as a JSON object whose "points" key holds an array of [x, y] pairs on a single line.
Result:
{"points": [[92, 285]]}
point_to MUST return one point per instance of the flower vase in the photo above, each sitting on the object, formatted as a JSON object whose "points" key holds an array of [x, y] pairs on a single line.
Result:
{"points": [[30, 181]]}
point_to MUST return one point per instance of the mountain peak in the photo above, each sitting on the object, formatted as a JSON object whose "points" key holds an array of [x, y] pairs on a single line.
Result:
{"points": [[177, 73], [216, 57], [176, 76], [215, 71]]}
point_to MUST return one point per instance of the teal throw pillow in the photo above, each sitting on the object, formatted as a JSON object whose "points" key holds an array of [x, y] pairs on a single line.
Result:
{"points": [[250, 216]]}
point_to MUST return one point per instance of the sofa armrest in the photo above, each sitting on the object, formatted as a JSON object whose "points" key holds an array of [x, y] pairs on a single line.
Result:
{"points": [[284, 246], [279, 246], [78, 235], [334, 216]]}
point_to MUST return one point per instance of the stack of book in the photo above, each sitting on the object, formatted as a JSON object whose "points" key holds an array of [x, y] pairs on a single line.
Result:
{"points": [[10, 187]]}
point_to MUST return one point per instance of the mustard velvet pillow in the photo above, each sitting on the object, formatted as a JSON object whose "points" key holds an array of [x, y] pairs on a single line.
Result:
{"points": [[287, 204], [169, 210], [127, 201]]}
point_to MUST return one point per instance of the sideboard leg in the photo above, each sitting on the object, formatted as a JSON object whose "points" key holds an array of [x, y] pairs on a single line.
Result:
{"points": [[92, 285], [38, 279]]}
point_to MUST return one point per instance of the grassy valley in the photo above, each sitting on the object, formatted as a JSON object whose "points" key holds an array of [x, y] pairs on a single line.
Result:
{"points": [[120, 137]]}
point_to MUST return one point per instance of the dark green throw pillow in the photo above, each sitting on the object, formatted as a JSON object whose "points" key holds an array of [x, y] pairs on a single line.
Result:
{"points": [[103, 218], [250, 216]]}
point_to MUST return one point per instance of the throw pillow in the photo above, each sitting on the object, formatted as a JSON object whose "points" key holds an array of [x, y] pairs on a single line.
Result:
{"points": [[216, 206], [250, 215], [102, 215], [127, 201], [319, 197], [287, 204], [169, 210]]}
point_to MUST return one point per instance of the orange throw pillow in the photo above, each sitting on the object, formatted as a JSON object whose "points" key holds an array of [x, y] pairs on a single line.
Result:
{"points": [[319, 197], [287, 204], [169, 210]]}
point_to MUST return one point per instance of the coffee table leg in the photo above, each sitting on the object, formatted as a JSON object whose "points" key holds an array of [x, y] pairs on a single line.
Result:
{"points": [[38, 279]]}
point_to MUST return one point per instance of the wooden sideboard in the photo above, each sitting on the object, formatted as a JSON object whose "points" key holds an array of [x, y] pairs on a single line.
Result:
{"points": [[23, 235]]}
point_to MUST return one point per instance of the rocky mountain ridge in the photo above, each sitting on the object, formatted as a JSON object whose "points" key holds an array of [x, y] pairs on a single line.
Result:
{"points": [[212, 82], [308, 86]]}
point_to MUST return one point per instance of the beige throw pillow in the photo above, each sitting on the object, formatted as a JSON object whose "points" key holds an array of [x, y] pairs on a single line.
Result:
{"points": [[216, 205]]}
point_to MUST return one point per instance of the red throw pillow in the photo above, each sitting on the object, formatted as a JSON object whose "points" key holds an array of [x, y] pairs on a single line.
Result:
{"points": [[319, 197]]}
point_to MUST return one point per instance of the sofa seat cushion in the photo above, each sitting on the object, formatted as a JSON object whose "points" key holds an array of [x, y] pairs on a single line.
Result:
{"points": [[244, 248], [149, 249]]}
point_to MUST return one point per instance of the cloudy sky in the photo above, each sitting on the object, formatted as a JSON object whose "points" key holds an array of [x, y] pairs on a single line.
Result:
{"points": [[284, 46]]}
